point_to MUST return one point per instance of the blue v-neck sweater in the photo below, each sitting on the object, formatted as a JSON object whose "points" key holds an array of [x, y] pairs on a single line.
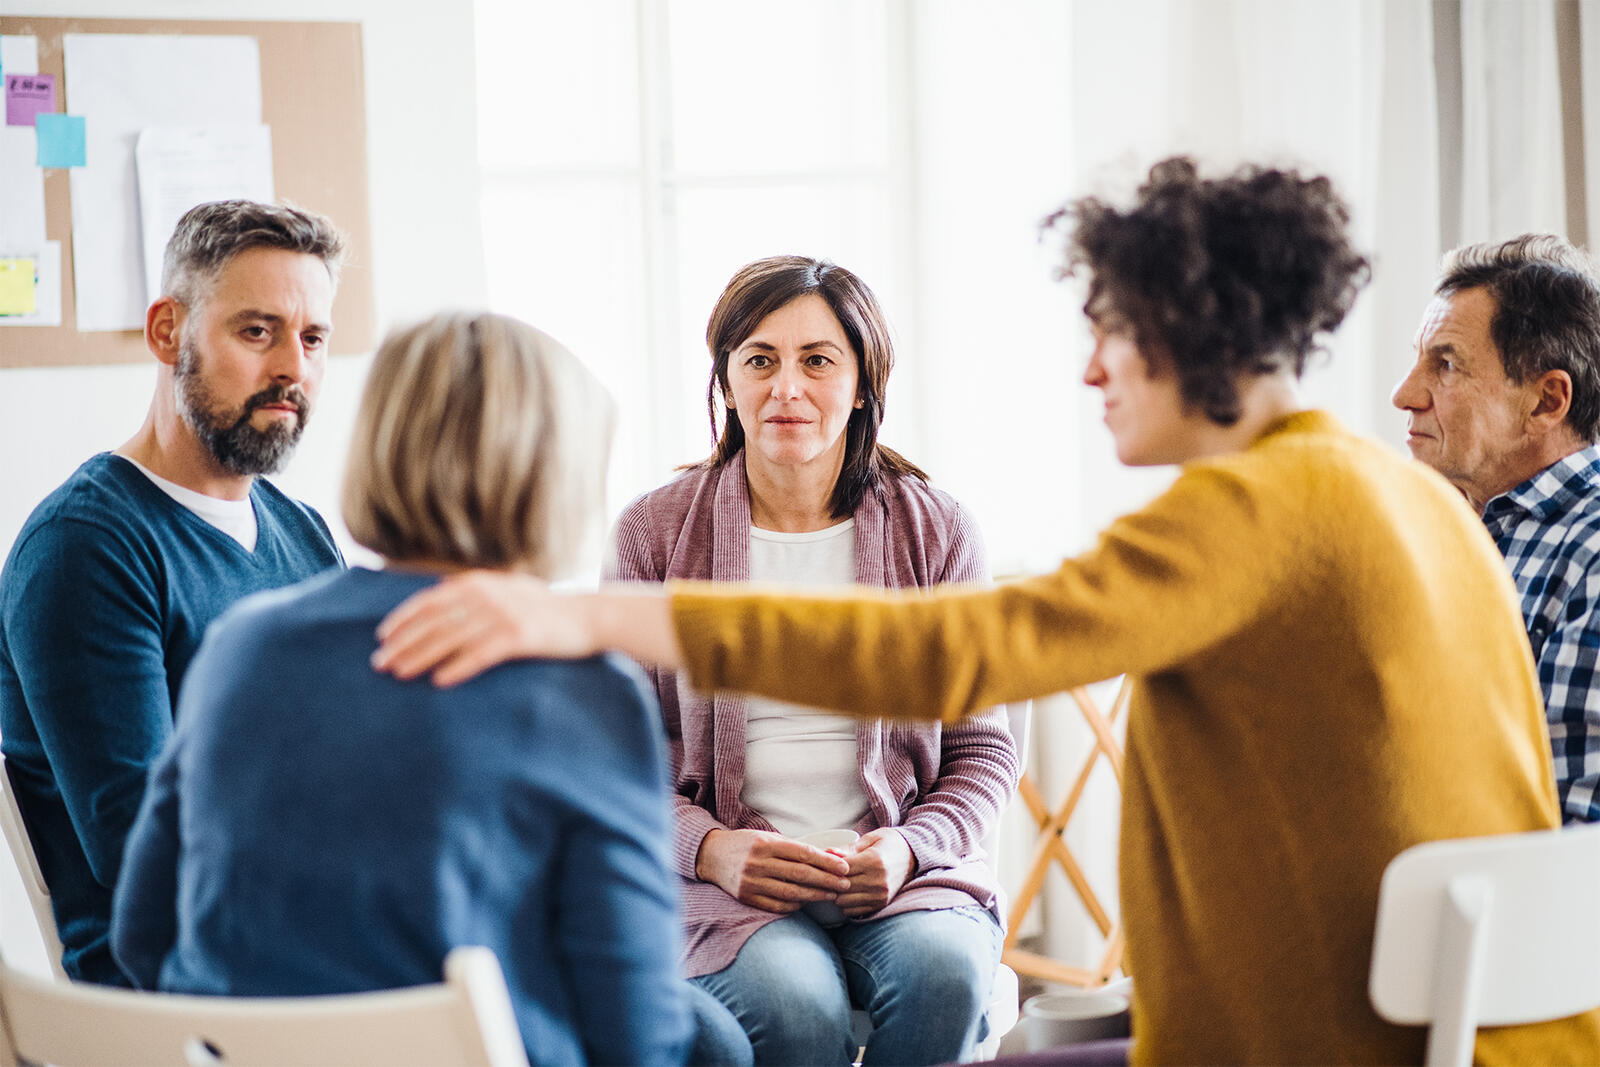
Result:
{"points": [[103, 600]]}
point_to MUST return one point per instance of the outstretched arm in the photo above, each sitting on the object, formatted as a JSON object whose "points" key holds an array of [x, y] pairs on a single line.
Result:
{"points": [[1187, 571]]}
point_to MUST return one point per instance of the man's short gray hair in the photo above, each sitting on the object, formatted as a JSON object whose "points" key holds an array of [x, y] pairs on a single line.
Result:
{"points": [[209, 235], [1546, 312]]}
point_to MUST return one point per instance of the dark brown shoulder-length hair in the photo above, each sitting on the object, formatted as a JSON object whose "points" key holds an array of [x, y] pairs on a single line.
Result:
{"points": [[756, 291], [1222, 278]]}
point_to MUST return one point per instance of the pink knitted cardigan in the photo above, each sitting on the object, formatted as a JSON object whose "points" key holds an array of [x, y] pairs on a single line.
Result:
{"points": [[943, 787]]}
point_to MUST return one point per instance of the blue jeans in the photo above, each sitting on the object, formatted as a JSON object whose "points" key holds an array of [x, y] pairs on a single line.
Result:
{"points": [[923, 977], [719, 1041]]}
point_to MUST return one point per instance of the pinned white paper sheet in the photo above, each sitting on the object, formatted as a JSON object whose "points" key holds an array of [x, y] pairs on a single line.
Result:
{"points": [[22, 205], [179, 167], [122, 84], [19, 55], [47, 293]]}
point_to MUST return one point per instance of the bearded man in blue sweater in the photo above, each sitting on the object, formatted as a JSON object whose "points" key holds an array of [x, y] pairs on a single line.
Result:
{"points": [[115, 576]]}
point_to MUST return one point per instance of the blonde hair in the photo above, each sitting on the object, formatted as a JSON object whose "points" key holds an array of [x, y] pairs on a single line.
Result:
{"points": [[481, 442]]}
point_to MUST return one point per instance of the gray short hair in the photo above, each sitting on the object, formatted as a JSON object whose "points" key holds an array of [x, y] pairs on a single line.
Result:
{"points": [[1546, 312], [209, 235], [481, 442]]}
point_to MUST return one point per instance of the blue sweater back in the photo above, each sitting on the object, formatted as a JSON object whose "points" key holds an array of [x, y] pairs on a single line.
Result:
{"points": [[323, 828]]}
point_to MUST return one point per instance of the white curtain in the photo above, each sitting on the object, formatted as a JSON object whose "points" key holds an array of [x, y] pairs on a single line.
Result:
{"points": [[1511, 175]]}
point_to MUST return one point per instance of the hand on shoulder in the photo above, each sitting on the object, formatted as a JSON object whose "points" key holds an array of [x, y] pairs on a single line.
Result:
{"points": [[475, 620]]}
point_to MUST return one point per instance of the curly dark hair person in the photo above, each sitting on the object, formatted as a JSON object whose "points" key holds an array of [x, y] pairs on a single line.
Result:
{"points": [[1220, 278]]}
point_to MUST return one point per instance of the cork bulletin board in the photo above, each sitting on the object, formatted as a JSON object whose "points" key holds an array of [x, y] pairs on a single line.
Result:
{"points": [[312, 97]]}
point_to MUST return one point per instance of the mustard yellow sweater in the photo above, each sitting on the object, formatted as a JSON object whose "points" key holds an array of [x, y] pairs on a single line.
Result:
{"points": [[1330, 666]]}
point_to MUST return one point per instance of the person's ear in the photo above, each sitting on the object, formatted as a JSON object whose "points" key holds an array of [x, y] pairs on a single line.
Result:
{"points": [[163, 330], [1552, 397]]}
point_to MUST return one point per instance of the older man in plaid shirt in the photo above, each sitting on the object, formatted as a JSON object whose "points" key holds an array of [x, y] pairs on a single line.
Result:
{"points": [[1504, 401]]}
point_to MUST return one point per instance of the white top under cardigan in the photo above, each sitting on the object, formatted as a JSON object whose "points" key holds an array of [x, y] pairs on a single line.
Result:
{"points": [[801, 770]]}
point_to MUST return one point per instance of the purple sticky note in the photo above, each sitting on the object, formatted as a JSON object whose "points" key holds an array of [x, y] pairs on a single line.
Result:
{"points": [[27, 95]]}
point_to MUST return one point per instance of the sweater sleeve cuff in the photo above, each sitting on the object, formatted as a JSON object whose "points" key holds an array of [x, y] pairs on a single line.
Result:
{"points": [[693, 824], [925, 847]]}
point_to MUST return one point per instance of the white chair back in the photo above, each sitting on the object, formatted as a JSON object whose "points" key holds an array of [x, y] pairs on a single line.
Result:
{"points": [[1488, 931], [28, 867], [465, 1020]]}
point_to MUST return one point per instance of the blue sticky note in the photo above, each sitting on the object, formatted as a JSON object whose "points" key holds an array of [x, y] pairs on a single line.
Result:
{"points": [[61, 140]]}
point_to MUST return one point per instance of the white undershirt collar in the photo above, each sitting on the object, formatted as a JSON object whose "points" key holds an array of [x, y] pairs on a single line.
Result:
{"points": [[236, 518]]}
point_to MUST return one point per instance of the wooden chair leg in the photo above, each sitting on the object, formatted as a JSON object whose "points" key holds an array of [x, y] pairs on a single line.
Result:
{"points": [[1051, 849]]}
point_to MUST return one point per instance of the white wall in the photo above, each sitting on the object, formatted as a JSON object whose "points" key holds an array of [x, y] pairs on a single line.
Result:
{"points": [[422, 161]]}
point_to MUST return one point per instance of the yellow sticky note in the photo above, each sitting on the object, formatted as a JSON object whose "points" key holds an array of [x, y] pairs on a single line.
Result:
{"points": [[17, 285]]}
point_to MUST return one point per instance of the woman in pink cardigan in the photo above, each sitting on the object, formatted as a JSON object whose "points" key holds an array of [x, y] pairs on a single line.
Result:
{"points": [[904, 922]]}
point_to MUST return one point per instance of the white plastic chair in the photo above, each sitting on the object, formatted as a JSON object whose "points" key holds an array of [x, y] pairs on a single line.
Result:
{"points": [[1488, 931], [44, 916], [1004, 994], [465, 1020]]}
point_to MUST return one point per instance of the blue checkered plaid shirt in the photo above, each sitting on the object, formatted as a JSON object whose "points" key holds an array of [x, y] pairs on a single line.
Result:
{"points": [[1549, 530]]}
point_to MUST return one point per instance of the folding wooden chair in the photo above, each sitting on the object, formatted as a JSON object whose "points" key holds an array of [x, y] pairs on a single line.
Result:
{"points": [[1051, 849]]}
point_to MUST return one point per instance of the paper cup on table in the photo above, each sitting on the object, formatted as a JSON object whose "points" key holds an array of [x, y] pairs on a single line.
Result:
{"points": [[827, 912], [1053, 1019]]}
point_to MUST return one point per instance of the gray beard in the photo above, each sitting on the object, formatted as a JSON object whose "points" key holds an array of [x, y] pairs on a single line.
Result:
{"points": [[233, 442]]}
